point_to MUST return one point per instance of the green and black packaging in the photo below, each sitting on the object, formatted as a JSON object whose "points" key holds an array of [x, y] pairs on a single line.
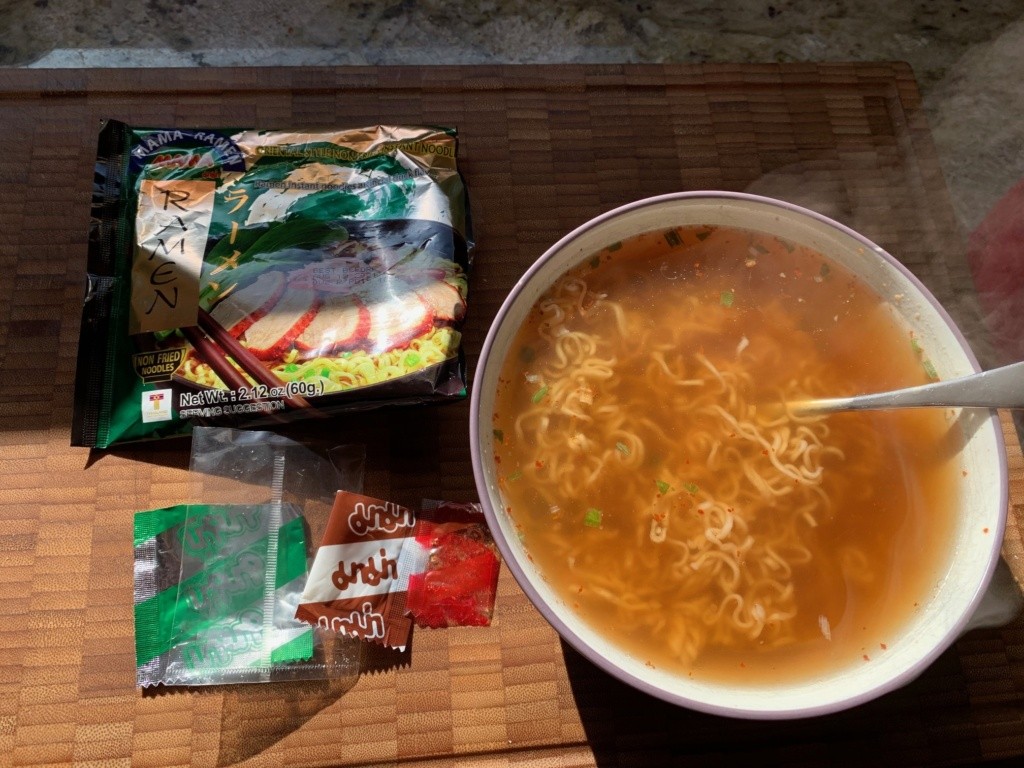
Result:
{"points": [[241, 277]]}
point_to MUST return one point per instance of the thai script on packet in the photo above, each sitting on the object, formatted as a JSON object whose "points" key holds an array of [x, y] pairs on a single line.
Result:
{"points": [[382, 567]]}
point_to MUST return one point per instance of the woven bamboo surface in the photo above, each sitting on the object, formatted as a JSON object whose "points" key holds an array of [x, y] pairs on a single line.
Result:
{"points": [[543, 149]]}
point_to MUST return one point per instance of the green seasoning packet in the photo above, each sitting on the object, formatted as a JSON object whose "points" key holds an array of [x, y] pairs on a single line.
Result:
{"points": [[243, 277], [205, 612]]}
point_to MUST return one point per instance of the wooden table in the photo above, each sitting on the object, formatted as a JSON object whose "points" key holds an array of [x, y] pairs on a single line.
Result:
{"points": [[543, 149]]}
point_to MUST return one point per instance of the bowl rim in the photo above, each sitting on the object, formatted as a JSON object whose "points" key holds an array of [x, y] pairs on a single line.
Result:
{"points": [[578, 643]]}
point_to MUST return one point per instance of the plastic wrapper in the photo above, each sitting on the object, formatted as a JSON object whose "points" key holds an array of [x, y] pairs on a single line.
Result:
{"points": [[381, 567], [207, 625], [454, 572], [239, 278], [217, 584], [356, 587]]}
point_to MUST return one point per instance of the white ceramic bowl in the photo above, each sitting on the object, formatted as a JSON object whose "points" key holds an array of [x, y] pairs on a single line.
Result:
{"points": [[983, 501]]}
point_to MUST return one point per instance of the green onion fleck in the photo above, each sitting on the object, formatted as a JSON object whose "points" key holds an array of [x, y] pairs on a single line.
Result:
{"points": [[663, 487], [672, 238], [346, 355], [727, 298], [704, 234], [623, 449], [825, 269], [540, 394], [515, 476], [595, 262], [614, 246], [592, 519], [526, 354], [930, 370], [499, 436], [691, 487], [411, 359], [325, 372], [914, 345], [309, 374], [291, 368]]}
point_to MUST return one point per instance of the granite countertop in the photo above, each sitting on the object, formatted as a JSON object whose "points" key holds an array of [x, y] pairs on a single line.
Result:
{"points": [[967, 58]]}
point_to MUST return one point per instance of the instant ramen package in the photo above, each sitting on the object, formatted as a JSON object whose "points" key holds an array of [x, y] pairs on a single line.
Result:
{"points": [[246, 277]]}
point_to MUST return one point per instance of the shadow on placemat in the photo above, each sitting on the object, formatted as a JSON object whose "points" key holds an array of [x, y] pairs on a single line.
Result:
{"points": [[938, 719], [254, 718]]}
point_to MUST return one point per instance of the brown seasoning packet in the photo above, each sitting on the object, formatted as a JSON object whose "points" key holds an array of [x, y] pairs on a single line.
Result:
{"points": [[356, 585]]}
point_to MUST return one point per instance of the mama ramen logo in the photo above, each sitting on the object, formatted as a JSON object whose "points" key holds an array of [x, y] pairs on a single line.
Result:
{"points": [[379, 518], [370, 573], [365, 623]]}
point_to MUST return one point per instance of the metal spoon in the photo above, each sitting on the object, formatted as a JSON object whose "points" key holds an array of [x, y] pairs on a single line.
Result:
{"points": [[997, 388]]}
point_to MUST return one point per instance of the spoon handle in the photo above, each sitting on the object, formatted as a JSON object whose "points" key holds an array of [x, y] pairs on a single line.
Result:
{"points": [[997, 388]]}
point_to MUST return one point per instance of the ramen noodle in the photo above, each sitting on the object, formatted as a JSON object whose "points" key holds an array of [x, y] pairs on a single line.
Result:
{"points": [[245, 277], [666, 492]]}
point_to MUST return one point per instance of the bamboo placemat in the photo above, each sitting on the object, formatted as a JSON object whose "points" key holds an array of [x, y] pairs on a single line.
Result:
{"points": [[543, 149]]}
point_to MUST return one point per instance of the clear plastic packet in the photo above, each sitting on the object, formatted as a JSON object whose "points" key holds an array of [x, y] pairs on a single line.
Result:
{"points": [[217, 583], [211, 617]]}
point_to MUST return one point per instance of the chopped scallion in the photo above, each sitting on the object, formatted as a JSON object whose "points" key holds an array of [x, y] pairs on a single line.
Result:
{"points": [[727, 298], [930, 370], [623, 449], [595, 262], [691, 487], [540, 394], [411, 359], [499, 436], [592, 519], [515, 476], [825, 269], [614, 246], [672, 238], [663, 487], [291, 368]]}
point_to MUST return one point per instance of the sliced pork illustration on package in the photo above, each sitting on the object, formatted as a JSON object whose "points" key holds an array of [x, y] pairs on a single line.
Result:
{"points": [[243, 277]]}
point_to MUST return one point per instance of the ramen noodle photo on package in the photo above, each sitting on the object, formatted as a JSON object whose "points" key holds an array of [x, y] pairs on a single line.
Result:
{"points": [[251, 277]]}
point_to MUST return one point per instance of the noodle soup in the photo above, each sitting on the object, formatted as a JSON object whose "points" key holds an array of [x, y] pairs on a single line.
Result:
{"points": [[669, 498]]}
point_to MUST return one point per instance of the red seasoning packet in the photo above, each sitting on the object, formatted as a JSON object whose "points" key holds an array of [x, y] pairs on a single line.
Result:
{"points": [[379, 565], [455, 574]]}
